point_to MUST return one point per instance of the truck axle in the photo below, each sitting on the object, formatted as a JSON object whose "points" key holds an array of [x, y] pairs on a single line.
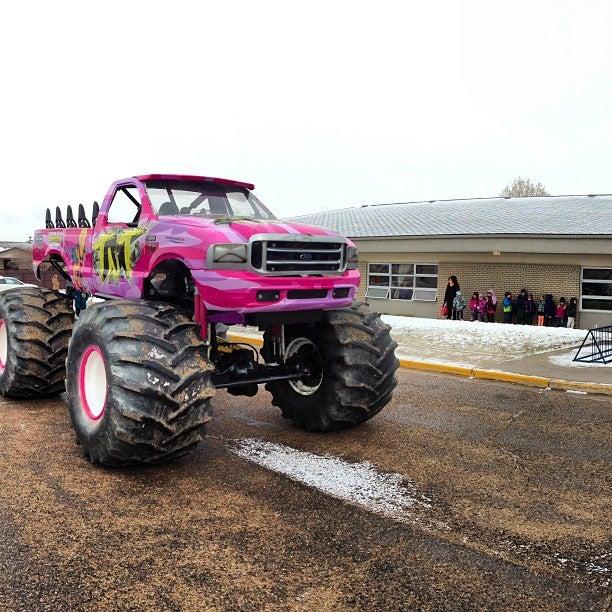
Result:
{"points": [[247, 372]]}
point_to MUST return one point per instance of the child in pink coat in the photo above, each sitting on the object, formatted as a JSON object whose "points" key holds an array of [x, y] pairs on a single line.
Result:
{"points": [[474, 305], [482, 307]]}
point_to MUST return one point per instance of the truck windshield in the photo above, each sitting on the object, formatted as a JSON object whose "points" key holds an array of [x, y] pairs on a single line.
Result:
{"points": [[204, 199]]}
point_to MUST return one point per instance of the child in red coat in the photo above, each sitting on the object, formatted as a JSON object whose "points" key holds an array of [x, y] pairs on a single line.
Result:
{"points": [[491, 306], [560, 313]]}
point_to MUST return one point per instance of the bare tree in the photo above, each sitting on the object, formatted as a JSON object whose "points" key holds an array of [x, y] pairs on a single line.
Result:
{"points": [[523, 188]]}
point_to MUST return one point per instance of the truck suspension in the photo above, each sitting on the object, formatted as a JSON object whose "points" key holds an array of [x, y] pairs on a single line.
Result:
{"points": [[239, 370]]}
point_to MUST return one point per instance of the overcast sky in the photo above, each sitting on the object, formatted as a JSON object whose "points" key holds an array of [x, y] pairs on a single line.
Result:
{"points": [[321, 104]]}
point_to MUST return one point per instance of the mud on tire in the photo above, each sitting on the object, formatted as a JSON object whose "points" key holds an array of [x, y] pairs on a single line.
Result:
{"points": [[35, 327], [358, 371], [138, 383]]}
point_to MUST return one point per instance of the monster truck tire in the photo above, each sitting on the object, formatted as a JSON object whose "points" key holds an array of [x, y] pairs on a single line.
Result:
{"points": [[35, 327], [357, 378], [138, 383]]}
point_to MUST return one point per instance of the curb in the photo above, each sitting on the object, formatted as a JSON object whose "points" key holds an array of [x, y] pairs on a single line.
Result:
{"points": [[498, 375], [512, 377], [428, 366], [585, 387]]}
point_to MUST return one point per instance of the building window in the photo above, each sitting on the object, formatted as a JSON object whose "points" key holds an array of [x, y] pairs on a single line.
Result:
{"points": [[596, 290], [405, 281]]}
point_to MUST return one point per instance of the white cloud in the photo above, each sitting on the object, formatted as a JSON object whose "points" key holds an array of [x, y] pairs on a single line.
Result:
{"points": [[320, 104]]}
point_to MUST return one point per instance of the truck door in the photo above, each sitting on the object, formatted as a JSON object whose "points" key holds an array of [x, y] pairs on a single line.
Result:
{"points": [[118, 245]]}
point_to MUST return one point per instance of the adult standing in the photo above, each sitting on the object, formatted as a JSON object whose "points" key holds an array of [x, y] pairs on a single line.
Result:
{"points": [[55, 283], [449, 295]]}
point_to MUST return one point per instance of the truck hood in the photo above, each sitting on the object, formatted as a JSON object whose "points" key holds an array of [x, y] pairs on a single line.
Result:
{"points": [[241, 230]]}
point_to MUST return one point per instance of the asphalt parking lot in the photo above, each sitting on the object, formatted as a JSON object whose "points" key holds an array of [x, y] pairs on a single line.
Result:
{"points": [[475, 495]]}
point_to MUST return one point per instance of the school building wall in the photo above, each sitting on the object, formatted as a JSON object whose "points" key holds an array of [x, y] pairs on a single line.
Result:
{"points": [[560, 280], [503, 264]]}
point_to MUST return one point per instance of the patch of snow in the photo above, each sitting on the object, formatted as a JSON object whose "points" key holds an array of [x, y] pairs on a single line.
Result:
{"points": [[465, 343], [567, 360], [476, 343], [155, 353], [361, 484]]}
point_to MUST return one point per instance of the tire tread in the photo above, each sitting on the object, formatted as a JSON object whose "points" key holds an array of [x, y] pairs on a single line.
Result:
{"points": [[361, 366], [41, 325], [160, 389]]}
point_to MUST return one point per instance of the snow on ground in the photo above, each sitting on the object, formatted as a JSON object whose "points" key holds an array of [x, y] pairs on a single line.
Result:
{"points": [[361, 484], [468, 344], [567, 360], [477, 344]]}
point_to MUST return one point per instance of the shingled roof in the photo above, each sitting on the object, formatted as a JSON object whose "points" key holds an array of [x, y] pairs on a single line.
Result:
{"points": [[588, 215], [5, 245]]}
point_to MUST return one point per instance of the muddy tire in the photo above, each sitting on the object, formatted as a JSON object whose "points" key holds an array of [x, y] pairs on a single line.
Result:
{"points": [[35, 328], [353, 374], [138, 383]]}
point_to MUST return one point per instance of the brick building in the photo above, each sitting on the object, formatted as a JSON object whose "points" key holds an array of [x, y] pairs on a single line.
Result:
{"points": [[557, 244]]}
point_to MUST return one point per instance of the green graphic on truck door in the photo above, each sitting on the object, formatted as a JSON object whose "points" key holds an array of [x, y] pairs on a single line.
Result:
{"points": [[115, 254]]}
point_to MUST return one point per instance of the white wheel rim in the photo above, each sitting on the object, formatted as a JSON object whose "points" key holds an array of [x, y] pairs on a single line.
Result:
{"points": [[92, 383], [3, 345], [299, 386]]}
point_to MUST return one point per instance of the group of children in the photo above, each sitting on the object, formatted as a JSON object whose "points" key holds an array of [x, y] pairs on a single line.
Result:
{"points": [[523, 310], [482, 306]]}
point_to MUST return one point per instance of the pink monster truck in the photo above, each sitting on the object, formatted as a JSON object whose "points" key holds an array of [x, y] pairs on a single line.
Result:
{"points": [[176, 260]]}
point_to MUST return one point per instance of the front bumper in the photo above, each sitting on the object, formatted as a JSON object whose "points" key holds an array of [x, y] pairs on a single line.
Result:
{"points": [[237, 291]]}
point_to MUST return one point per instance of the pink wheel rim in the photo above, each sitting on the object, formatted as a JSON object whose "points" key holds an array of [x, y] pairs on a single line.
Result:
{"points": [[3, 345], [92, 383]]}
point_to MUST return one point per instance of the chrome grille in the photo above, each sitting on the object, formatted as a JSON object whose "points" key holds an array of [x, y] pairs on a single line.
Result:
{"points": [[291, 256]]}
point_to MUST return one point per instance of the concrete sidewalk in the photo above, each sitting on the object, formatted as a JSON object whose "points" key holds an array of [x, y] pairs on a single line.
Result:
{"points": [[556, 364]]}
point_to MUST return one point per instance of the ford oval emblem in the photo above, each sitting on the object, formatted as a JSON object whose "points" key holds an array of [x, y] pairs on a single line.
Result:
{"points": [[305, 256]]}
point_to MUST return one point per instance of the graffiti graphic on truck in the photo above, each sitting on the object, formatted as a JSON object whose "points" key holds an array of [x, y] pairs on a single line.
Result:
{"points": [[115, 254], [77, 256]]}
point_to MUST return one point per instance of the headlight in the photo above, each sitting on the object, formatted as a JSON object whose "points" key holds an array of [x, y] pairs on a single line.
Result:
{"points": [[352, 258], [227, 255]]}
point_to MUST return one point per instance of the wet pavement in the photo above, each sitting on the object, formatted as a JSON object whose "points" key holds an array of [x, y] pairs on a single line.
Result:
{"points": [[512, 489]]}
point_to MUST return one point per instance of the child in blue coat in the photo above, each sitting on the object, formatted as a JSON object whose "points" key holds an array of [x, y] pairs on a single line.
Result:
{"points": [[507, 307]]}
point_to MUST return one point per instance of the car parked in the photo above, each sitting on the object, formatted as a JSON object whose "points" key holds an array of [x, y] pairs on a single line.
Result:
{"points": [[8, 282]]}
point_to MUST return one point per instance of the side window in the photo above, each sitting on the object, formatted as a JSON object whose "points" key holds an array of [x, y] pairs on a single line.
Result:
{"points": [[125, 207]]}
